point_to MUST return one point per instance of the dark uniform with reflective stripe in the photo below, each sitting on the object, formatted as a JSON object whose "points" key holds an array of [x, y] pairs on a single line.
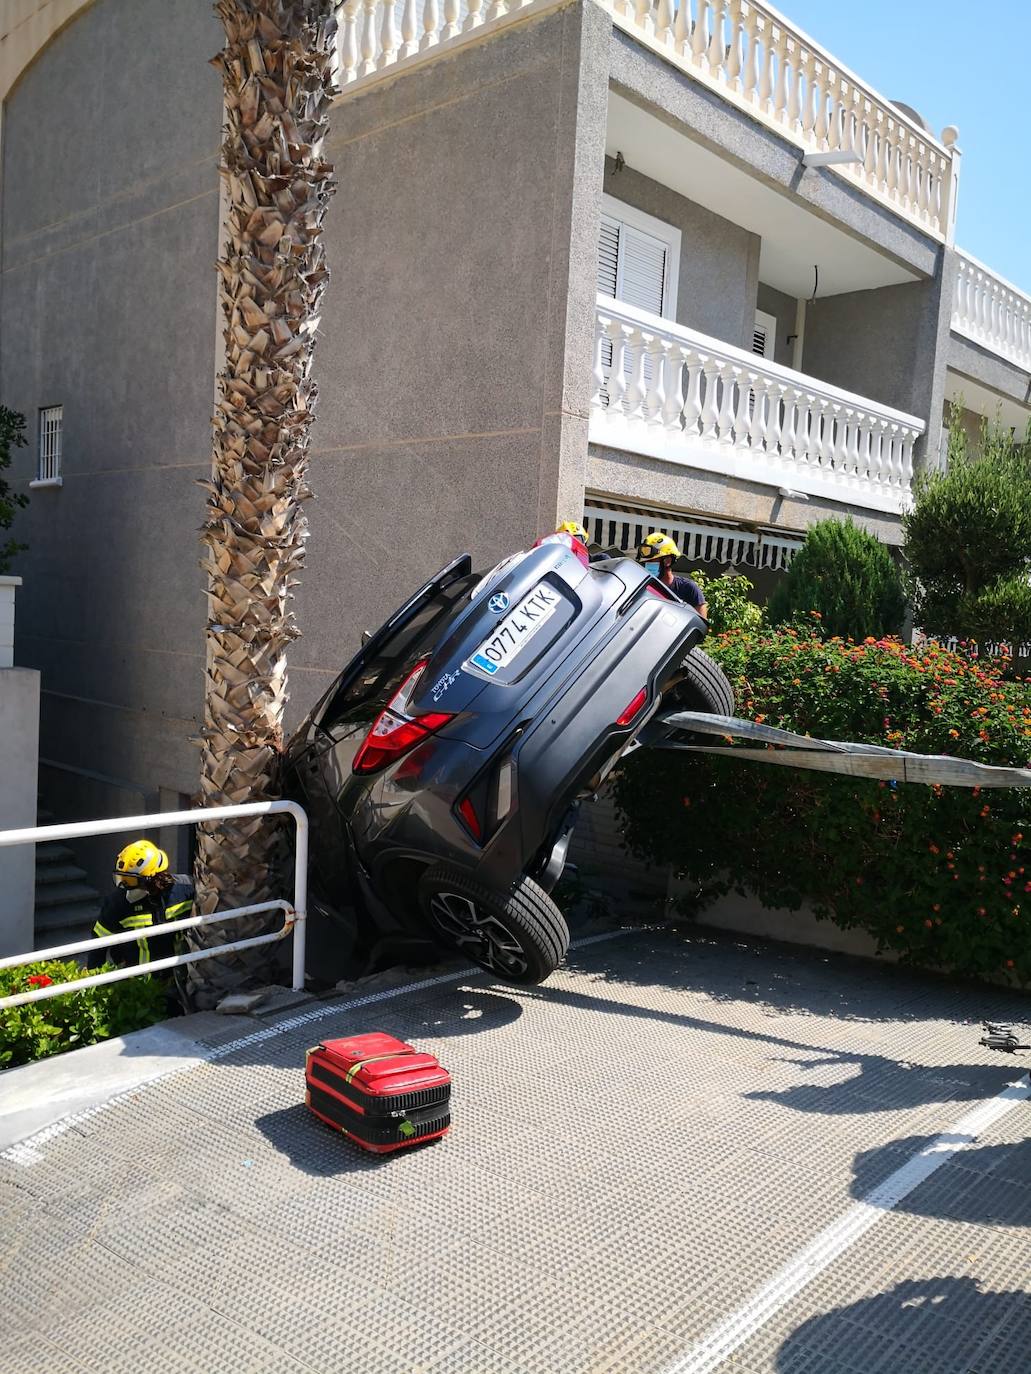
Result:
{"points": [[117, 913]]}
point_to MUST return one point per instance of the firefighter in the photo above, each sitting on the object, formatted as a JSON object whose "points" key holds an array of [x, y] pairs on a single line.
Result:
{"points": [[658, 553], [574, 528], [145, 895]]}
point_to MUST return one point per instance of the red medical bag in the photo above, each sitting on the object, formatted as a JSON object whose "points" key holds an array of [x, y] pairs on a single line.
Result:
{"points": [[378, 1091]]}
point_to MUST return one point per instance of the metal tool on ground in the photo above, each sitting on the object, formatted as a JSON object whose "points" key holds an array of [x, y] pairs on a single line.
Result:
{"points": [[1001, 1038]]}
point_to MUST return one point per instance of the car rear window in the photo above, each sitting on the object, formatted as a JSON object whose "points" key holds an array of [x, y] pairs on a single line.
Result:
{"points": [[383, 671]]}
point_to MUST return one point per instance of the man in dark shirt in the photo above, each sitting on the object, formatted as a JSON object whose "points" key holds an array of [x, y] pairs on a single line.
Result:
{"points": [[658, 553]]}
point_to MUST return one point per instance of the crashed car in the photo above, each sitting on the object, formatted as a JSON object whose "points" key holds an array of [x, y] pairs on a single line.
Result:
{"points": [[443, 769]]}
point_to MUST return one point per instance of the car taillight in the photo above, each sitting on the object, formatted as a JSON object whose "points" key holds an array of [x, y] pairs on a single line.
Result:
{"points": [[634, 709], [657, 589], [468, 814], [394, 731]]}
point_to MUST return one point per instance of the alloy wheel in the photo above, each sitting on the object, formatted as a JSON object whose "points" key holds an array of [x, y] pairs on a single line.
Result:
{"points": [[478, 932]]}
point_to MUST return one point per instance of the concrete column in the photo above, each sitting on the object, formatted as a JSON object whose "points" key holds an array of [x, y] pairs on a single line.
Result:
{"points": [[890, 344], [19, 754]]}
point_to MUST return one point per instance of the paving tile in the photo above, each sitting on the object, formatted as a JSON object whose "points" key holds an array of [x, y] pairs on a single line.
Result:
{"points": [[639, 1145]]}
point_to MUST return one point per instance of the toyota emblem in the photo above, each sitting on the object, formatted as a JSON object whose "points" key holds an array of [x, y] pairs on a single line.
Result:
{"points": [[499, 602]]}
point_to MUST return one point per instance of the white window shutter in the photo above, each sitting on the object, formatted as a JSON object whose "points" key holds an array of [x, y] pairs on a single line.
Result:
{"points": [[633, 266], [642, 270], [764, 334], [636, 267], [608, 256]]}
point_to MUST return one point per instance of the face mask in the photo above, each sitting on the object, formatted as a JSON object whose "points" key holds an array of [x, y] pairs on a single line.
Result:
{"points": [[135, 894], [652, 568]]}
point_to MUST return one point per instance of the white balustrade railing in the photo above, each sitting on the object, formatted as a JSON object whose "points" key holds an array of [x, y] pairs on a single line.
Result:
{"points": [[762, 63], [377, 37], [993, 313], [669, 392]]}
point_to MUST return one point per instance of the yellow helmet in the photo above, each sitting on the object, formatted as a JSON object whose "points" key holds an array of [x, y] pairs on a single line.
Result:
{"points": [[574, 528], [139, 860], [657, 545]]}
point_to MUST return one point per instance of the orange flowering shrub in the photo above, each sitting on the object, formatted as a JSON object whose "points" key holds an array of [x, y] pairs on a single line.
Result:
{"points": [[940, 874]]}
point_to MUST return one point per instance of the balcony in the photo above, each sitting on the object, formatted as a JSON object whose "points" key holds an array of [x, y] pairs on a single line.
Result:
{"points": [[758, 61], [668, 392], [379, 38], [992, 313]]}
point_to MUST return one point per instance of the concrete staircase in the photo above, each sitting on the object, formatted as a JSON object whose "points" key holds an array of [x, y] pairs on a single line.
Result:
{"points": [[66, 905]]}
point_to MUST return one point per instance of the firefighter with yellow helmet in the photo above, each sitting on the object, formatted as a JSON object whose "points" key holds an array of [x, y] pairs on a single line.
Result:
{"points": [[574, 528], [145, 895], [658, 552]]}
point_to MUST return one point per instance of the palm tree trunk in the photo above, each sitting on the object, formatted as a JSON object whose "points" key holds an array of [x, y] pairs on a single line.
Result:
{"points": [[277, 77]]}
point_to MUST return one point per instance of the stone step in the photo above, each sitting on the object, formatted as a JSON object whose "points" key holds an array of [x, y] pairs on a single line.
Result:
{"points": [[47, 938], [77, 916], [49, 874], [61, 894], [53, 852]]}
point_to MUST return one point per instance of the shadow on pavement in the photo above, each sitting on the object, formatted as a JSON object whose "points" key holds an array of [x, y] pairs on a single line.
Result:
{"points": [[318, 1150], [791, 980], [949, 1325], [989, 1185], [883, 1084]]}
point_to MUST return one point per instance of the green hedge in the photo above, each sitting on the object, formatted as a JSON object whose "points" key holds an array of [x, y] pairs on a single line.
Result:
{"points": [[941, 875], [39, 1029]]}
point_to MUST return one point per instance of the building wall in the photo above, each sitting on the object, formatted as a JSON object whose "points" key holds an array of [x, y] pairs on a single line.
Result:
{"points": [[109, 234], [888, 344], [454, 359], [782, 307], [617, 475], [19, 733], [457, 335], [719, 261]]}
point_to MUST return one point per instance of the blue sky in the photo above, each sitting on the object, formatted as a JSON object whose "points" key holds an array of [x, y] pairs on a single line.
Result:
{"points": [[961, 63]]}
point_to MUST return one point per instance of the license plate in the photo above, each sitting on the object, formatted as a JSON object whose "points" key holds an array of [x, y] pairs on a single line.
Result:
{"points": [[508, 638]]}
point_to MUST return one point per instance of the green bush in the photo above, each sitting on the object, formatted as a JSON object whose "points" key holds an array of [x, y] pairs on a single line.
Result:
{"points": [[968, 541], [938, 874], [848, 576], [729, 601], [38, 1029]]}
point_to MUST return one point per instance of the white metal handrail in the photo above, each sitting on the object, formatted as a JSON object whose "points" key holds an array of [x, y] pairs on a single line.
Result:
{"points": [[294, 914]]}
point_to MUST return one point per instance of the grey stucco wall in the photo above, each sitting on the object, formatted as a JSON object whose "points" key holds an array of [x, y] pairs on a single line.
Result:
{"points": [[454, 361], [782, 307], [888, 345], [719, 261], [109, 228], [457, 336], [19, 741]]}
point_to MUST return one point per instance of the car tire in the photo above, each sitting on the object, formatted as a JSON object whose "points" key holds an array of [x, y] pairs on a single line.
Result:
{"points": [[702, 686], [519, 936]]}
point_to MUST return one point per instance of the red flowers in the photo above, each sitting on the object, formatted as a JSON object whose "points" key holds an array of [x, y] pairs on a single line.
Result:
{"points": [[40, 980]]}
